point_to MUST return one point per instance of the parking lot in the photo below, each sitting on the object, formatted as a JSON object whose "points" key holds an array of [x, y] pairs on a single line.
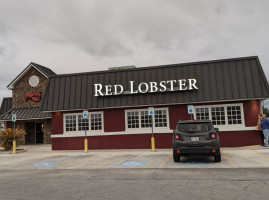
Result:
{"points": [[41, 157]]}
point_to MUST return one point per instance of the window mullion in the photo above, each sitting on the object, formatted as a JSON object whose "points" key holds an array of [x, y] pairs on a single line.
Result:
{"points": [[210, 115], [242, 115], [139, 117], [226, 115]]}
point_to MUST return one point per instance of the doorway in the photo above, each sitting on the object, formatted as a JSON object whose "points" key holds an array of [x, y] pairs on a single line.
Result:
{"points": [[34, 132], [39, 133], [30, 130]]}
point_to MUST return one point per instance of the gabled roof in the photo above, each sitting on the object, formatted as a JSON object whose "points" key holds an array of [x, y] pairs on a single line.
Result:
{"points": [[43, 70], [25, 114], [232, 79], [6, 105]]}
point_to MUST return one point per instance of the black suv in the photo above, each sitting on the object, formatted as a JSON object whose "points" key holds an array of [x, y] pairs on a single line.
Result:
{"points": [[196, 138]]}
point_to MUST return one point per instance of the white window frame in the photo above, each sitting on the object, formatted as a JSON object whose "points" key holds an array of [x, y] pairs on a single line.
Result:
{"points": [[139, 117], [226, 115], [88, 131]]}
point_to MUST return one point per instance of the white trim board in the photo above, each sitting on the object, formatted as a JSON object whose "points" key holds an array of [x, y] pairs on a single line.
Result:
{"points": [[147, 131], [152, 105], [11, 85]]}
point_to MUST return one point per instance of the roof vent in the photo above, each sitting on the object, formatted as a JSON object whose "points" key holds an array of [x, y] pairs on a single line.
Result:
{"points": [[123, 67]]}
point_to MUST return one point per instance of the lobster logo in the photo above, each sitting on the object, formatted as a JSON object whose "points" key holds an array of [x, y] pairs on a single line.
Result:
{"points": [[35, 96]]}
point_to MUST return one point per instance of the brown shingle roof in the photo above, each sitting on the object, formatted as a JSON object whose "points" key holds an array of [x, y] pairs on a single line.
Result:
{"points": [[25, 114], [217, 80]]}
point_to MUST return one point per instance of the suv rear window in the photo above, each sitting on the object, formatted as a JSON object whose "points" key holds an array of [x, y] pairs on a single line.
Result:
{"points": [[194, 127]]}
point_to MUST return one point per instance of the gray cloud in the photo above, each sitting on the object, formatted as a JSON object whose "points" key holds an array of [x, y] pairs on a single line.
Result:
{"points": [[75, 36], [2, 51]]}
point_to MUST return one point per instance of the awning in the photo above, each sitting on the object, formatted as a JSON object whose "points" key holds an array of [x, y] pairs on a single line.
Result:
{"points": [[25, 114]]}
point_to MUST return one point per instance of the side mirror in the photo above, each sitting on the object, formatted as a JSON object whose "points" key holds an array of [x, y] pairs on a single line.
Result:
{"points": [[216, 129]]}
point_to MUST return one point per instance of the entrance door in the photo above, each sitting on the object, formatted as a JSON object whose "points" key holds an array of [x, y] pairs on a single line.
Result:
{"points": [[30, 130], [39, 133]]}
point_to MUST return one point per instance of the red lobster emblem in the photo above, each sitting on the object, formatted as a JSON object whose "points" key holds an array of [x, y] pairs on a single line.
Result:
{"points": [[35, 96]]}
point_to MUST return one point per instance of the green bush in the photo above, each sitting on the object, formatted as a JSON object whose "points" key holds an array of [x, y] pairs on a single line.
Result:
{"points": [[6, 138]]}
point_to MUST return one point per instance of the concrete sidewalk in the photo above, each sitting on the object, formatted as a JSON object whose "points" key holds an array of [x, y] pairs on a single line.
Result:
{"points": [[41, 156]]}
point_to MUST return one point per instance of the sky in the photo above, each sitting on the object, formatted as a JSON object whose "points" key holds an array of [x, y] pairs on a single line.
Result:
{"points": [[71, 36]]}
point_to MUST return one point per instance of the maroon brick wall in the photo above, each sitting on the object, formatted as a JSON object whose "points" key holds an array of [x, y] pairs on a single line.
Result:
{"points": [[114, 120], [176, 113], [9, 124], [239, 138], [142, 141], [139, 141], [251, 111], [57, 123]]}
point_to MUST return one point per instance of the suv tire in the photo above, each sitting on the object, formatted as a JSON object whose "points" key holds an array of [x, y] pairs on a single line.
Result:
{"points": [[176, 158], [218, 158]]}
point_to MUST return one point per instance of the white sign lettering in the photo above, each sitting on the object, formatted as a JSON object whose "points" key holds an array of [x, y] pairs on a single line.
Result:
{"points": [[142, 88]]}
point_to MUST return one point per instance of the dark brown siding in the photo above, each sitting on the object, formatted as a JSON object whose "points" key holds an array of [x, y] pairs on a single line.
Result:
{"points": [[6, 105], [220, 80]]}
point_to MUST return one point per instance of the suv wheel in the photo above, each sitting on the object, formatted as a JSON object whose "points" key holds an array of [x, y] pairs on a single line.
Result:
{"points": [[176, 158], [218, 158]]}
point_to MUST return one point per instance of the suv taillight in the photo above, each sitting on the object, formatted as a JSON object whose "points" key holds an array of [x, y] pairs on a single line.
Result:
{"points": [[213, 135], [177, 137]]}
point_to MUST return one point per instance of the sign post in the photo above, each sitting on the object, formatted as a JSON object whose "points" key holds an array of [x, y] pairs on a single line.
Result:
{"points": [[190, 110], [85, 117], [151, 113], [14, 119]]}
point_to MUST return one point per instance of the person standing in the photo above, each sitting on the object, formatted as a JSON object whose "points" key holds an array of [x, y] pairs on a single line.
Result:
{"points": [[259, 128], [265, 128]]}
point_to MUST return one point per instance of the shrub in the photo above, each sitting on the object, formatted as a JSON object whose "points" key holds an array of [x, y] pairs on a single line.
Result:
{"points": [[6, 137]]}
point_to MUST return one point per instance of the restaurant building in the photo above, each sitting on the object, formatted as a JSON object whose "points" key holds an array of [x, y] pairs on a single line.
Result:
{"points": [[229, 92]]}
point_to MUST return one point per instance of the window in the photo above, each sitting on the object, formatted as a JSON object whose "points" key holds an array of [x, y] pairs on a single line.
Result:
{"points": [[234, 115], [96, 121], [83, 124], [202, 113], [70, 122], [194, 127], [218, 115], [140, 119], [76, 122], [2, 126], [226, 114], [160, 118], [133, 119], [145, 119]]}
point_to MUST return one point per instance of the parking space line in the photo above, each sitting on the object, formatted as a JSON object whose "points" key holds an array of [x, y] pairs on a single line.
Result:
{"points": [[261, 154], [108, 161], [27, 162], [227, 159], [165, 160], [80, 160]]}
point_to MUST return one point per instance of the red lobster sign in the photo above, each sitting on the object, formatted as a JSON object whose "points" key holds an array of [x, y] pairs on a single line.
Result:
{"points": [[35, 96]]}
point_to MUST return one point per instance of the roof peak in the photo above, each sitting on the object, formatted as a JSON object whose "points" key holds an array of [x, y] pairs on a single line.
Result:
{"points": [[43, 70]]}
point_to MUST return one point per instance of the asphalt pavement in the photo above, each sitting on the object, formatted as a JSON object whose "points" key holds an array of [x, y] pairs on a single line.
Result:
{"points": [[41, 173]]}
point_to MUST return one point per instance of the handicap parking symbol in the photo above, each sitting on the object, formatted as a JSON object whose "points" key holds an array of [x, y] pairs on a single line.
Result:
{"points": [[132, 163], [44, 164]]}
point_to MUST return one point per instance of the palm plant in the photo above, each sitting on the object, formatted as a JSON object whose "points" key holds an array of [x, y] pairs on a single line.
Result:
{"points": [[6, 137]]}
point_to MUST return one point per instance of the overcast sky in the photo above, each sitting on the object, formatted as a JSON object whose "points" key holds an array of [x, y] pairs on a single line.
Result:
{"points": [[85, 35]]}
